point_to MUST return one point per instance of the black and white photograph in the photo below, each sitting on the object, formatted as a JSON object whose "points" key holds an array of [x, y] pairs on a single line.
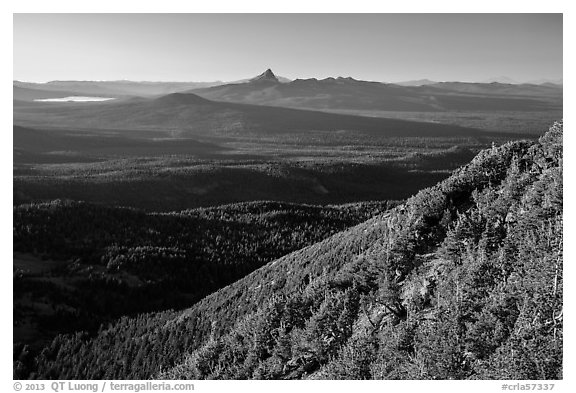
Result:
{"points": [[287, 196]]}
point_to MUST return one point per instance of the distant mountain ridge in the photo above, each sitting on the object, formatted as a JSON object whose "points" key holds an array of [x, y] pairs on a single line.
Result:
{"points": [[501, 79], [109, 88], [418, 82], [341, 93], [29, 91], [351, 94]]}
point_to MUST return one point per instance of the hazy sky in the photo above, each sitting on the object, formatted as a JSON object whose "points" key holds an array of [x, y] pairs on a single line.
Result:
{"points": [[207, 47]]}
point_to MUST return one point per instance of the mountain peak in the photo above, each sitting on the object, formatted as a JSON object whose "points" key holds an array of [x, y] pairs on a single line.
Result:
{"points": [[266, 76]]}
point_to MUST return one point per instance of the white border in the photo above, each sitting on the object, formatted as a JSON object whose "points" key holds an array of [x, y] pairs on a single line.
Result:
{"points": [[259, 6]]}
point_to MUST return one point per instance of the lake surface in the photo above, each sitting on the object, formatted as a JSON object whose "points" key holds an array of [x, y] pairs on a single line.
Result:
{"points": [[75, 99]]}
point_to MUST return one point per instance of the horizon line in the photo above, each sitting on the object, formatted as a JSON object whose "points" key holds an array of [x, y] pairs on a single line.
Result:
{"points": [[486, 80]]}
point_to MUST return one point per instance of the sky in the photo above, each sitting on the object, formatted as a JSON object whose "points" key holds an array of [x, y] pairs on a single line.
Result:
{"points": [[227, 47]]}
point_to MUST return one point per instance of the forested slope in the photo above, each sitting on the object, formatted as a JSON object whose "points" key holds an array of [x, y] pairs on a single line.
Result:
{"points": [[462, 281], [465, 283], [78, 265]]}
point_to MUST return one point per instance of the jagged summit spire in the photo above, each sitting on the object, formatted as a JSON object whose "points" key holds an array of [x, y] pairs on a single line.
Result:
{"points": [[267, 75]]}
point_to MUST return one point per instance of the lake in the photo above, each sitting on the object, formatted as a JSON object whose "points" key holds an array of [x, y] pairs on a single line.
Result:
{"points": [[75, 99]]}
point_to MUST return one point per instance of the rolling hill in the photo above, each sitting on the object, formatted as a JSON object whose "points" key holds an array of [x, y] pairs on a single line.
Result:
{"points": [[464, 280], [189, 114]]}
